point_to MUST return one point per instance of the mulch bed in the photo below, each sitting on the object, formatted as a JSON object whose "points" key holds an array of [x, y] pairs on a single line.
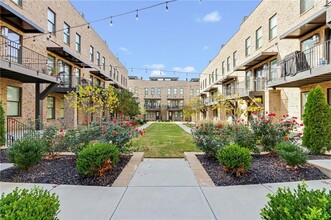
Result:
{"points": [[3, 157], [264, 169], [61, 171]]}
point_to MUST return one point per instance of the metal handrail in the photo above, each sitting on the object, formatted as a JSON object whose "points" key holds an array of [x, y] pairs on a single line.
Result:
{"points": [[16, 53], [16, 130]]}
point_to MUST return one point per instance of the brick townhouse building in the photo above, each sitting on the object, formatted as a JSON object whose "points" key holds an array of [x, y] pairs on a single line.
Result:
{"points": [[280, 51], [163, 98], [47, 48]]}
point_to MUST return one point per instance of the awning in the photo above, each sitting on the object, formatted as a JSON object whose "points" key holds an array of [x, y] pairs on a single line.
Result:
{"points": [[258, 58], [101, 75], [66, 54], [13, 17], [306, 26], [227, 78], [211, 88]]}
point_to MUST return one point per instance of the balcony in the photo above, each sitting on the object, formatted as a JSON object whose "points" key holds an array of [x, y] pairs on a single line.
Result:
{"points": [[251, 88], [305, 67], [152, 107], [174, 107], [69, 83], [23, 64], [210, 101]]}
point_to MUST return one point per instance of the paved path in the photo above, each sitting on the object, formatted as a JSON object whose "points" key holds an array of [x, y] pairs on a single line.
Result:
{"points": [[184, 127], [145, 125], [163, 189]]}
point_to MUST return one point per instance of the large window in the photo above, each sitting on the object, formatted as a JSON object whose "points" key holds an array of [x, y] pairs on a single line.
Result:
{"points": [[223, 68], [103, 63], [228, 64], [258, 39], [191, 92], [91, 54], [78, 43], [146, 91], [273, 27], [13, 50], [152, 91], [18, 2], [159, 91], [62, 108], [181, 91], [235, 59], [13, 101], [169, 91], [98, 58], [51, 16], [273, 70], [66, 33], [197, 92], [216, 74], [248, 46], [50, 107], [175, 91], [51, 65], [306, 5], [65, 74], [77, 75]]}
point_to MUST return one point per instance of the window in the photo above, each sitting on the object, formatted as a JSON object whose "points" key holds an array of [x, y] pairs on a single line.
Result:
{"points": [[305, 5], [78, 42], [212, 77], [66, 33], [273, 70], [198, 92], [191, 92], [235, 59], [91, 80], [77, 75], [103, 63], [110, 70], [159, 91], [152, 91], [223, 68], [91, 54], [50, 107], [51, 65], [228, 64], [258, 39], [248, 46], [169, 91], [216, 74], [13, 101], [175, 91], [62, 108], [65, 74], [51, 16], [97, 82], [273, 27], [146, 91], [248, 80], [181, 91], [98, 58], [18, 2]]}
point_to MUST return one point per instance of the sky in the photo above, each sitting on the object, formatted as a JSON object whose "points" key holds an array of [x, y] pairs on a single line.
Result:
{"points": [[179, 42]]}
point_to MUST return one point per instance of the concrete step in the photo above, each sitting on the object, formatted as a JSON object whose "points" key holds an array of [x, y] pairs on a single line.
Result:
{"points": [[323, 165]]}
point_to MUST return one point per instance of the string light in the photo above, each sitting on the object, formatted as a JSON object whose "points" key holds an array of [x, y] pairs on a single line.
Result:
{"points": [[167, 8], [111, 21], [107, 18], [137, 16]]}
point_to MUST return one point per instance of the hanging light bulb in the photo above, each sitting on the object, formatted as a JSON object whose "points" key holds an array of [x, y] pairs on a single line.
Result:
{"points": [[34, 40], [137, 16], [111, 21], [167, 8]]}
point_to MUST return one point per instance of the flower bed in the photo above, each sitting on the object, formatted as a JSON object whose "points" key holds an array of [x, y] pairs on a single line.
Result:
{"points": [[264, 169]]}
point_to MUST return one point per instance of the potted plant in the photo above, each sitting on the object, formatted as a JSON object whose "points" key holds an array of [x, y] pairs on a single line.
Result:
{"points": [[54, 71]]}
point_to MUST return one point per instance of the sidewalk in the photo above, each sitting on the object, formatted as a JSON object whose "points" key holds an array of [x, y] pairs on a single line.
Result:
{"points": [[144, 126], [184, 127], [163, 189]]}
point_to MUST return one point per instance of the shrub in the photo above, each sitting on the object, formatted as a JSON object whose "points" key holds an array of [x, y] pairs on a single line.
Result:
{"points": [[317, 120], [2, 126], [244, 137], [291, 153], [33, 204], [211, 138], [26, 152], [299, 204], [96, 159], [235, 159], [48, 136]]}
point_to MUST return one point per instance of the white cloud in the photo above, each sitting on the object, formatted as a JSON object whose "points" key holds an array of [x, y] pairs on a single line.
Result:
{"points": [[212, 17], [124, 49], [205, 48], [157, 73], [187, 69], [155, 66]]}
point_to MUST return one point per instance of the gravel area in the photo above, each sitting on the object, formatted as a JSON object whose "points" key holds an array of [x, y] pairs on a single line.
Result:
{"points": [[265, 169], [61, 171], [3, 157]]}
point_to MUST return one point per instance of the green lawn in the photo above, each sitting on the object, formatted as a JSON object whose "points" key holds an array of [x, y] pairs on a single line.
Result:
{"points": [[164, 140]]}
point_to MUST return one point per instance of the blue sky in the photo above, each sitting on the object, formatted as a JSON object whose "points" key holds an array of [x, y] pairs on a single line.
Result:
{"points": [[183, 39]]}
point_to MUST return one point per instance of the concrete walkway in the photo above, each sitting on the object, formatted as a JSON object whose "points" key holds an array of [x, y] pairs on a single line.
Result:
{"points": [[184, 127], [163, 189], [145, 125]]}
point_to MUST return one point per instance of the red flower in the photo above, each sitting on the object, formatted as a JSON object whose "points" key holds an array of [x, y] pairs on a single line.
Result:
{"points": [[114, 133], [104, 132], [237, 128], [86, 121], [286, 138], [141, 133], [267, 121], [300, 134], [61, 136], [61, 130], [124, 119], [301, 124], [266, 112], [253, 113], [219, 125], [284, 116], [238, 120], [262, 117], [137, 130], [242, 120], [201, 125], [198, 140], [294, 121], [295, 117], [129, 133], [196, 127], [121, 123], [114, 121]]}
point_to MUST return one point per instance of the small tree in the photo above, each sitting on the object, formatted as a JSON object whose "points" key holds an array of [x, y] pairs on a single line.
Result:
{"points": [[2, 126], [317, 120], [128, 104], [193, 107], [92, 99]]}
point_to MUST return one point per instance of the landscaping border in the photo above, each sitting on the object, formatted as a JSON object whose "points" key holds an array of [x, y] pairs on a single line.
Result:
{"points": [[127, 173], [199, 172]]}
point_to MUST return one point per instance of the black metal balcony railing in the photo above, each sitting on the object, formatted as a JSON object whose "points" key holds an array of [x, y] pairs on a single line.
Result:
{"points": [[152, 107], [175, 107], [14, 52], [16, 130], [300, 61]]}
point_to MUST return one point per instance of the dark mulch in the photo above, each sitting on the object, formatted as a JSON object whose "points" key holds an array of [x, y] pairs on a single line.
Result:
{"points": [[3, 157], [265, 169], [61, 171], [319, 157]]}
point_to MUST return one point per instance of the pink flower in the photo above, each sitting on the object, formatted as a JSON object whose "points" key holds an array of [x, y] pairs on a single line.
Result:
{"points": [[114, 133], [104, 132], [300, 134], [262, 117]]}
